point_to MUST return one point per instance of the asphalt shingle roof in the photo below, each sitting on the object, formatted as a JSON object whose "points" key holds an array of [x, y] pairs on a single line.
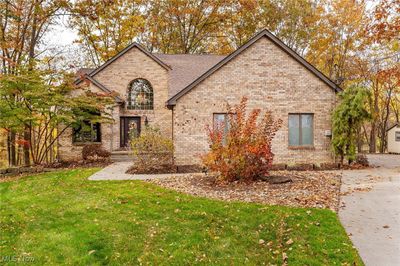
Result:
{"points": [[185, 68]]}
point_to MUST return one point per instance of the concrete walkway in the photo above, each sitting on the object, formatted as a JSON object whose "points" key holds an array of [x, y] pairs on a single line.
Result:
{"points": [[370, 210], [116, 171]]}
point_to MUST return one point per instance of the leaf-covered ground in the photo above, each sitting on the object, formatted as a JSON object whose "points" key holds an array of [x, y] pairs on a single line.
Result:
{"points": [[62, 218], [316, 189]]}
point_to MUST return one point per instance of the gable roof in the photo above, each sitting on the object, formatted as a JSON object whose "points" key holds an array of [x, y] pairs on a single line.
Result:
{"points": [[83, 71], [276, 41], [186, 68], [393, 126], [102, 87], [124, 51]]}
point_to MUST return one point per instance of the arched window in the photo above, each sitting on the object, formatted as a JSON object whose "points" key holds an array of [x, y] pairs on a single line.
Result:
{"points": [[140, 95]]}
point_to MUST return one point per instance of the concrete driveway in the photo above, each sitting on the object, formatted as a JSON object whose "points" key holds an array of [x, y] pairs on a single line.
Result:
{"points": [[370, 210]]}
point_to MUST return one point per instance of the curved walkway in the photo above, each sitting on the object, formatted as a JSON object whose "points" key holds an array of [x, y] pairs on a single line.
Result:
{"points": [[370, 210]]}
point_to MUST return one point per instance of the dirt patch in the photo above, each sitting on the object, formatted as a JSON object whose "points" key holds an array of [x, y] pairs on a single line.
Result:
{"points": [[315, 189]]}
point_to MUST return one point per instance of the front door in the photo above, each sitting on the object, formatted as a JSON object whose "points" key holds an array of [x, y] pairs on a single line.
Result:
{"points": [[130, 127]]}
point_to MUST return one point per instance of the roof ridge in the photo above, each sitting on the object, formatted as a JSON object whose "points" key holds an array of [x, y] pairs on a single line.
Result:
{"points": [[101, 86], [393, 126], [256, 37], [191, 54], [118, 55]]}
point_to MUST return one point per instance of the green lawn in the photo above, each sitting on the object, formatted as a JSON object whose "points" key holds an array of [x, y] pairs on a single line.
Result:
{"points": [[62, 218]]}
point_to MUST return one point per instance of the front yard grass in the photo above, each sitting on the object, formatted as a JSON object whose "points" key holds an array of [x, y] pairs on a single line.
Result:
{"points": [[62, 218]]}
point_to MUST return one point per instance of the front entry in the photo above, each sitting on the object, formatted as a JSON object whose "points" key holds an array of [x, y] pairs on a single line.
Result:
{"points": [[129, 127]]}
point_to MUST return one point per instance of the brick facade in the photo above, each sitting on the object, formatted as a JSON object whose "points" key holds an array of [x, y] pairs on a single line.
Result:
{"points": [[116, 77], [272, 80], [268, 76]]}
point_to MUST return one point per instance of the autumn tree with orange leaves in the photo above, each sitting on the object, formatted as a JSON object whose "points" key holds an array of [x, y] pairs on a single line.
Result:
{"points": [[23, 24]]}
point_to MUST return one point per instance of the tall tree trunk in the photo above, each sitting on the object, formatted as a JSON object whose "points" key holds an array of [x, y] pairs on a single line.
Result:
{"points": [[12, 154], [31, 54], [13, 150], [382, 147], [27, 139], [385, 121], [375, 114], [359, 140], [372, 138]]}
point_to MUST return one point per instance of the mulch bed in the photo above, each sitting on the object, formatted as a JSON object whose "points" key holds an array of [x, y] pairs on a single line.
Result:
{"points": [[52, 167], [317, 189], [161, 169], [78, 164]]}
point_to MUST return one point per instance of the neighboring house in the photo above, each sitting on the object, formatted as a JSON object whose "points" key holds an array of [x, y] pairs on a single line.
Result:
{"points": [[181, 94], [393, 139]]}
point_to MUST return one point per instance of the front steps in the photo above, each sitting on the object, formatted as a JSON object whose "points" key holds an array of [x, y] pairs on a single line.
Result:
{"points": [[121, 156]]}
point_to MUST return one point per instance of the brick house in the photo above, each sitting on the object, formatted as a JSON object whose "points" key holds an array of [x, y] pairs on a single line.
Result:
{"points": [[183, 93]]}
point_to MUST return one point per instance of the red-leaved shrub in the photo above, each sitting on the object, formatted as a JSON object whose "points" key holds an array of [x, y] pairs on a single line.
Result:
{"points": [[243, 152]]}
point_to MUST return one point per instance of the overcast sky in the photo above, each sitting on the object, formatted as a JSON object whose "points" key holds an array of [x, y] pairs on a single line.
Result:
{"points": [[61, 34], [60, 40]]}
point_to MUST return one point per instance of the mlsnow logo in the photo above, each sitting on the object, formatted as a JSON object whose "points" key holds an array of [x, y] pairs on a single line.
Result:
{"points": [[15, 258]]}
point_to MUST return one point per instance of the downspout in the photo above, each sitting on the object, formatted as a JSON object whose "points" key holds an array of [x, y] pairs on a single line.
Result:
{"points": [[112, 131], [172, 135], [335, 104]]}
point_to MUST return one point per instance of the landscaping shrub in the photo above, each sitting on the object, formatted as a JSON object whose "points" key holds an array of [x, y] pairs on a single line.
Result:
{"points": [[94, 152], [153, 151], [348, 117], [243, 152]]}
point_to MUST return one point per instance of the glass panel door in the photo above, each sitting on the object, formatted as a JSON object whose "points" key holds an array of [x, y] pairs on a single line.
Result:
{"points": [[130, 128]]}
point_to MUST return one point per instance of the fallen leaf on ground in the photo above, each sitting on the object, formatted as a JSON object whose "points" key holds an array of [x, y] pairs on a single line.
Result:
{"points": [[284, 257], [289, 242], [315, 189]]}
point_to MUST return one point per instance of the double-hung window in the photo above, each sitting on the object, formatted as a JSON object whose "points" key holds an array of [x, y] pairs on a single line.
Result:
{"points": [[220, 120], [301, 130]]}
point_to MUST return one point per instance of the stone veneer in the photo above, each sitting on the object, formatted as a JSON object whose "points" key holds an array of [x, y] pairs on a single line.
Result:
{"points": [[272, 80]]}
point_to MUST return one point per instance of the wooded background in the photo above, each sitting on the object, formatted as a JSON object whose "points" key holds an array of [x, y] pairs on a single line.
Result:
{"points": [[352, 42]]}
